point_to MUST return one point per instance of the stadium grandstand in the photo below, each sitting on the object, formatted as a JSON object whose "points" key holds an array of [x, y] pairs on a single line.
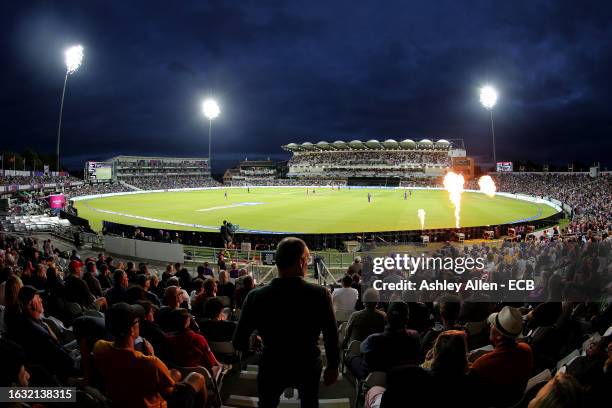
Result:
{"points": [[253, 172], [145, 173], [361, 161]]}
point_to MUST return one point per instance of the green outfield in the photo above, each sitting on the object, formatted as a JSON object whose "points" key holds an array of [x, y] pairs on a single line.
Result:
{"points": [[292, 210]]}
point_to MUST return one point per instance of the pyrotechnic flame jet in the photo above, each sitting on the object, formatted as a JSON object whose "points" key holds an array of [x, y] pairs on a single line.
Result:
{"points": [[453, 183], [487, 185], [421, 215]]}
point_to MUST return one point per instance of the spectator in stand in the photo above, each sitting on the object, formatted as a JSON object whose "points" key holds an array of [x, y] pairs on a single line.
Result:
{"points": [[150, 330], [131, 271], [184, 279], [291, 356], [133, 379], [365, 322], [104, 277], [447, 368], [234, 272], [77, 291], [184, 296], [144, 282], [206, 271], [502, 374], [197, 289], [450, 308], [210, 291], [345, 298], [355, 267], [243, 291], [26, 274], [172, 298], [395, 346], [168, 273], [12, 370], [39, 279], [560, 391], [91, 280], [225, 287], [187, 348], [26, 327], [214, 324], [221, 260], [118, 293]]}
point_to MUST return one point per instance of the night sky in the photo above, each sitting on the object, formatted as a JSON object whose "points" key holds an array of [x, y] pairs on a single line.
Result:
{"points": [[296, 71]]}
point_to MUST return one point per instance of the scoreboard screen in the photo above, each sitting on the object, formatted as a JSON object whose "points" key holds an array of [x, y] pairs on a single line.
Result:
{"points": [[504, 167], [99, 171]]}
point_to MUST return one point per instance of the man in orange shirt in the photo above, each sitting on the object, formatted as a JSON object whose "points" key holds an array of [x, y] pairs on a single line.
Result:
{"points": [[133, 379], [503, 373]]}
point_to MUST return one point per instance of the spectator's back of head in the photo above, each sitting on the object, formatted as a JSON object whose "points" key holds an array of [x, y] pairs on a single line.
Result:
{"points": [[347, 281], [397, 315], [560, 391], [179, 320], [213, 308], [290, 254], [450, 353], [450, 307]]}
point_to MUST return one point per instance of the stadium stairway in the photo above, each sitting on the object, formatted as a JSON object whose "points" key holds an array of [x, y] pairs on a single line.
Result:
{"points": [[239, 390]]}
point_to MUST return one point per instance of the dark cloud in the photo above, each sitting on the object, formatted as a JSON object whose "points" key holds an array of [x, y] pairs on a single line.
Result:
{"points": [[297, 71]]}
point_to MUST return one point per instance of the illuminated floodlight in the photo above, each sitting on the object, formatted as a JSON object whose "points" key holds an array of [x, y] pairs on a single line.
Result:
{"points": [[74, 58], [211, 109], [488, 96]]}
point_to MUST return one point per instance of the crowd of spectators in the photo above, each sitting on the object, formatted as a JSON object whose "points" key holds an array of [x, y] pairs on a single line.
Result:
{"points": [[36, 180], [116, 326], [370, 158], [124, 329], [161, 182], [588, 197], [95, 188]]}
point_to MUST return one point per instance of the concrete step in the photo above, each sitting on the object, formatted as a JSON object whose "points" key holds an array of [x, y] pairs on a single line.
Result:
{"points": [[247, 402], [252, 375]]}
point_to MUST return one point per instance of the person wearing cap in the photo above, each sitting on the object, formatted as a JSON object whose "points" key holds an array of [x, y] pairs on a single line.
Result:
{"points": [[365, 322], [503, 373], [27, 329], [133, 379], [396, 345], [290, 333]]}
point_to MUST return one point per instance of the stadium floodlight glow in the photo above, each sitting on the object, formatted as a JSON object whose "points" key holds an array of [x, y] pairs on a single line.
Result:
{"points": [[211, 110], [488, 99], [488, 96], [74, 59]]}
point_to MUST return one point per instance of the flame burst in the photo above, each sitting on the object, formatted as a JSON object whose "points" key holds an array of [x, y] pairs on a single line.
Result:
{"points": [[487, 185], [421, 215], [453, 183]]}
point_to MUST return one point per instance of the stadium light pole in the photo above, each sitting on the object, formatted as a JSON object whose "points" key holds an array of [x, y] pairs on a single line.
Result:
{"points": [[74, 58], [488, 99], [211, 111]]}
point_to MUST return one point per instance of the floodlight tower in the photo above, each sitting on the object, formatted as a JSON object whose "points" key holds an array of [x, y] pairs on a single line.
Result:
{"points": [[488, 99], [74, 58], [211, 111]]}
